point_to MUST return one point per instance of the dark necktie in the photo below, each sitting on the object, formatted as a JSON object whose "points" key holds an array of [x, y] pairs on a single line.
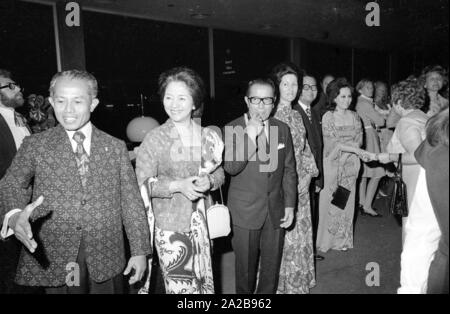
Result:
{"points": [[262, 140], [81, 156], [308, 112]]}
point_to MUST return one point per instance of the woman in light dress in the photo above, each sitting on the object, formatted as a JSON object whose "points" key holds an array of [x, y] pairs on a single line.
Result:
{"points": [[424, 259], [342, 138], [408, 97]]}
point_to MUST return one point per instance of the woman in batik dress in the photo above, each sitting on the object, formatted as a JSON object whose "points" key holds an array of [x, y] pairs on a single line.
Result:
{"points": [[297, 273], [168, 167]]}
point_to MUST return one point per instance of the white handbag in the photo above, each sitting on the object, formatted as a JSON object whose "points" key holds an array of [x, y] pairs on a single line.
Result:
{"points": [[218, 219]]}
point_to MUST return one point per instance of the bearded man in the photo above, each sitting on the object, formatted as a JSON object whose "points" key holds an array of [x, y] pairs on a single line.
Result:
{"points": [[13, 129]]}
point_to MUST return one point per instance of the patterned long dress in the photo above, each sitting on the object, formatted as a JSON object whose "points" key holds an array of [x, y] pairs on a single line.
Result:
{"points": [[297, 265], [180, 232], [336, 225]]}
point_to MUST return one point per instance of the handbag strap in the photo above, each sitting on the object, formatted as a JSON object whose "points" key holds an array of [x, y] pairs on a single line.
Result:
{"points": [[221, 196], [220, 188], [400, 166]]}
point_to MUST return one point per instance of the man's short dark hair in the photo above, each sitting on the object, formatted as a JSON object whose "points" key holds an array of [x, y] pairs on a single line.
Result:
{"points": [[260, 81]]}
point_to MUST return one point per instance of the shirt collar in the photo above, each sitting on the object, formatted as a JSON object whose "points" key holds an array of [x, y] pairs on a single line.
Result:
{"points": [[7, 110], [86, 130], [304, 106]]}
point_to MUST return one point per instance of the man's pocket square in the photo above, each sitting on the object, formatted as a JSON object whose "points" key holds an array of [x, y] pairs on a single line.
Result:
{"points": [[280, 146]]}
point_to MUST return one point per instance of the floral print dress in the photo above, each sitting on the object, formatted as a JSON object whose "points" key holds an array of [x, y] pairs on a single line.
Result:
{"points": [[336, 225], [297, 264], [178, 226]]}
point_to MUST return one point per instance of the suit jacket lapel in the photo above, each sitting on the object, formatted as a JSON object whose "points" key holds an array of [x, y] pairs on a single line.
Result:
{"points": [[315, 117], [61, 150], [97, 158], [269, 131], [305, 118], [7, 135]]}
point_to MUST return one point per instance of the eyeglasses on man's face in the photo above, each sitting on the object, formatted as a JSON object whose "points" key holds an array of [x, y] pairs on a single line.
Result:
{"points": [[257, 100], [11, 86], [310, 87]]}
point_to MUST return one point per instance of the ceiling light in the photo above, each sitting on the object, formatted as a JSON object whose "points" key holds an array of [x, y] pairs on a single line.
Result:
{"points": [[267, 27], [200, 16]]}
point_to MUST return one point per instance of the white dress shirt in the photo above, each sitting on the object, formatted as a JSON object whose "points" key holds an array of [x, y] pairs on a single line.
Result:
{"points": [[422, 234], [87, 131], [6, 231], [18, 132]]}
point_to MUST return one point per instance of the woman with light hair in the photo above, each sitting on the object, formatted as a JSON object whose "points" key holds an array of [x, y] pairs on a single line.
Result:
{"points": [[424, 259], [408, 97], [434, 78]]}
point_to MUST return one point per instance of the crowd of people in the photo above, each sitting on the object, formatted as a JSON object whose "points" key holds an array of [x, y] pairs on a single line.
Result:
{"points": [[300, 161]]}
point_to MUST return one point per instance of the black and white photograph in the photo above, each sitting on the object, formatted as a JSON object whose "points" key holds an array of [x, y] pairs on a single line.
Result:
{"points": [[239, 149]]}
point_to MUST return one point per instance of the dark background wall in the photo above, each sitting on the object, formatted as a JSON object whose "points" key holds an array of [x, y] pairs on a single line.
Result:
{"points": [[128, 54], [251, 56], [27, 44], [370, 64], [321, 59]]}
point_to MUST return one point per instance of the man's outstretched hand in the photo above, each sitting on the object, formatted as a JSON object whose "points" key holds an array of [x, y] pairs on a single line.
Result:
{"points": [[20, 223]]}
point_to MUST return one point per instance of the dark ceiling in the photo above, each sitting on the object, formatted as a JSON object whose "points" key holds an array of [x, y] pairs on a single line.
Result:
{"points": [[404, 24]]}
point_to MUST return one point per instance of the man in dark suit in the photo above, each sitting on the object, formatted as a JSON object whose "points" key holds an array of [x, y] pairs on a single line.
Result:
{"points": [[260, 159], [320, 106], [313, 125], [13, 129], [84, 191]]}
